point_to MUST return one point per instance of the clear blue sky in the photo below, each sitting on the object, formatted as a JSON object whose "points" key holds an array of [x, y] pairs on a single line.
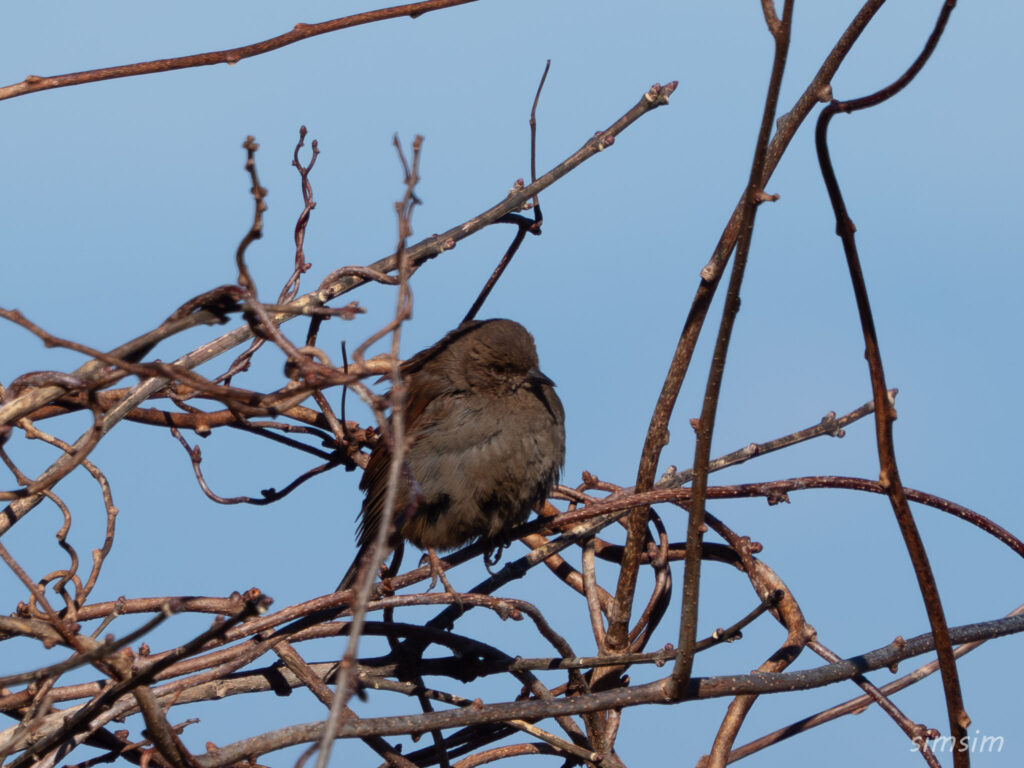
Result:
{"points": [[120, 200]]}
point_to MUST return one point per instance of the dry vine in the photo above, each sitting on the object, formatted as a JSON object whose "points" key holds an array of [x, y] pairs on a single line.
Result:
{"points": [[581, 693]]}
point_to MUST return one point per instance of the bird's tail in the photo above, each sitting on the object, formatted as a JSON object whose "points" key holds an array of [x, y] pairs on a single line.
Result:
{"points": [[362, 559], [350, 575]]}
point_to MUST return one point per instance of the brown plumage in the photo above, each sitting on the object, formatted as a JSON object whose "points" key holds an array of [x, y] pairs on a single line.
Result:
{"points": [[487, 441]]}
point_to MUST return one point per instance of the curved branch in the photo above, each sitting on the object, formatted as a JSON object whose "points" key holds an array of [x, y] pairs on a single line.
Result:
{"points": [[885, 415], [655, 692]]}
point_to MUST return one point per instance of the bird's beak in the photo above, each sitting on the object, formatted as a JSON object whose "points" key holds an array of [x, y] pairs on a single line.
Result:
{"points": [[536, 377]]}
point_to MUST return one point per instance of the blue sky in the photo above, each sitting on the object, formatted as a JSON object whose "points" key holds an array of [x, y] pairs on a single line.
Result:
{"points": [[122, 199]]}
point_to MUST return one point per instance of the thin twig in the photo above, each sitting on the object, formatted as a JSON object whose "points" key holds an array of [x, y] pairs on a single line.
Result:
{"points": [[34, 83], [705, 429]]}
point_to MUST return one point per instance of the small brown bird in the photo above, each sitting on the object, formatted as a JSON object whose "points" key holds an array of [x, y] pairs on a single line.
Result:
{"points": [[487, 441]]}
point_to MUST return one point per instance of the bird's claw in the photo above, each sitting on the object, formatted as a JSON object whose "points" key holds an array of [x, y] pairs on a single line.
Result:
{"points": [[437, 573]]}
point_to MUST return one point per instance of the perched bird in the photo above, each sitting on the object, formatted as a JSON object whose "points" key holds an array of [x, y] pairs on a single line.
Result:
{"points": [[486, 442]]}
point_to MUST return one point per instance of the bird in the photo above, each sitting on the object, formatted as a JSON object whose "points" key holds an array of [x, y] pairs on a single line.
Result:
{"points": [[486, 443]]}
